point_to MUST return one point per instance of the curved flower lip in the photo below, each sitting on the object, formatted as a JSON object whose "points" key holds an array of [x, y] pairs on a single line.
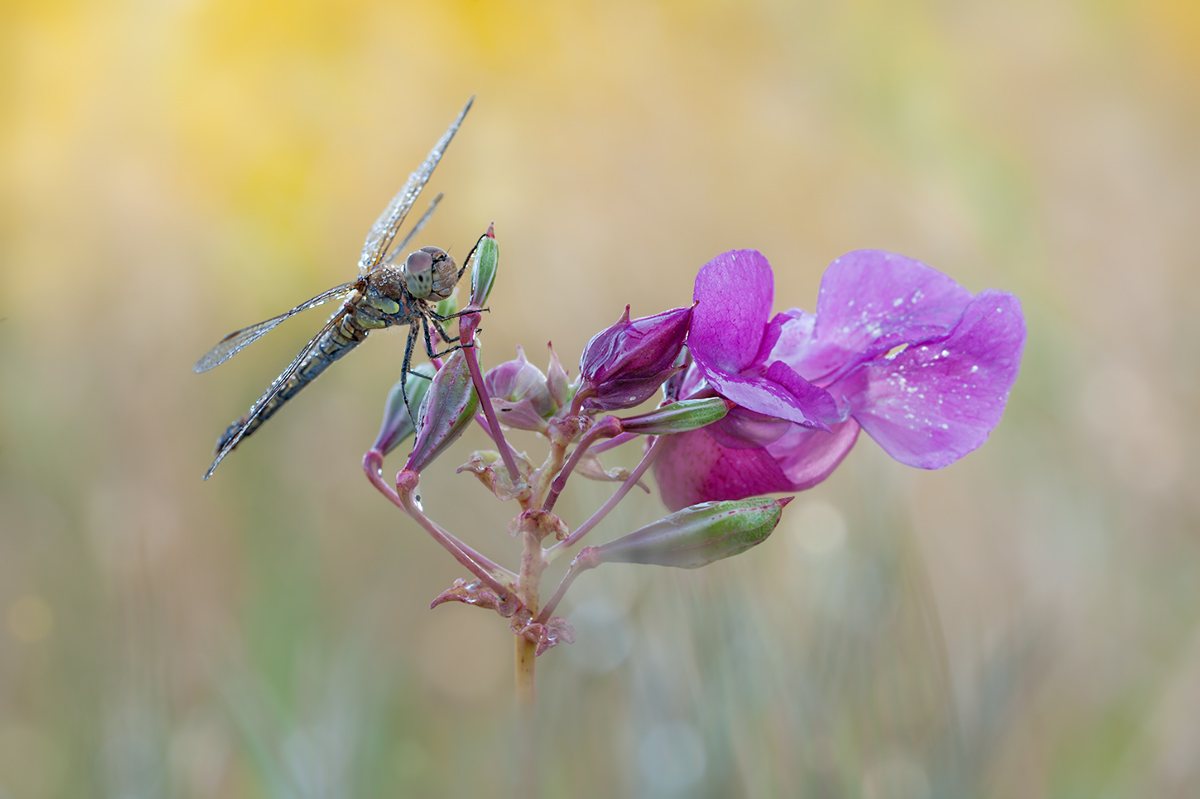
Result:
{"points": [[694, 467]]}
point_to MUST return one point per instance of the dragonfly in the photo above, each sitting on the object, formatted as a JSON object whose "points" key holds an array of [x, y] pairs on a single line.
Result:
{"points": [[386, 292]]}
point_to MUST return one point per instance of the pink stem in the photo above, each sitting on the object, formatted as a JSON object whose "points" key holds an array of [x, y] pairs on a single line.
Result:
{"points": [[585, 528], [479, 565], [583, 561], [605, 446], [466, 332], [607, 427]]}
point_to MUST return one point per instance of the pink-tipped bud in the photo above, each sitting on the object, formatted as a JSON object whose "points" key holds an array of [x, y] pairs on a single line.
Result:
{"points": [[624, 365]]}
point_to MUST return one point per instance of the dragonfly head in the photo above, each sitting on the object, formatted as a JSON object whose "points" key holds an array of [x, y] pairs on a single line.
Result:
{"points": [[430, 274]]}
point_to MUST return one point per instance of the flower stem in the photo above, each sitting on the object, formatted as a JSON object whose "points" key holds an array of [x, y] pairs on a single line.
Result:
{"points": [[597, 517], [466, 331], [532, 565], [527, 731], [608, 427], [479, 565], [612, 443], [585, 560]]}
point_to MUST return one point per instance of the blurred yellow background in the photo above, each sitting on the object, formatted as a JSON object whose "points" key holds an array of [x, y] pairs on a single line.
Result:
{"points": [[1023, 623]]}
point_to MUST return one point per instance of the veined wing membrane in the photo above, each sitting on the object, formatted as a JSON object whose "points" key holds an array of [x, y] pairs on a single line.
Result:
{"points": [[384, 230], [238, 340], [275, 387], [403, 245]]}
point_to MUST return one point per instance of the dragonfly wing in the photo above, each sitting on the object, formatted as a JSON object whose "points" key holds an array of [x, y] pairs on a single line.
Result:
{"points": [[275, 387], [385, 228], [403, 245], [238, 340]]}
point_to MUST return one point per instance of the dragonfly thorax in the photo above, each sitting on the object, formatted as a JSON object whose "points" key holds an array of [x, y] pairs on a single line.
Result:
{"points": [[430, 274]]}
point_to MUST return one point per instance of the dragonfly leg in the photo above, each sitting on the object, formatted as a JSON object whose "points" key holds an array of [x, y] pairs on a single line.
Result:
{"points": [[440, 318], [405, 370], [446, 337], [429, 342]]}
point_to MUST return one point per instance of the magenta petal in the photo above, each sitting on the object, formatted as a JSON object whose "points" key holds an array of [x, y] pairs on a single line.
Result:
{"points": [[817, 402], [871, 301], [933, 403], [809, 456], [735, 292], [770, 398], [692, 468]]}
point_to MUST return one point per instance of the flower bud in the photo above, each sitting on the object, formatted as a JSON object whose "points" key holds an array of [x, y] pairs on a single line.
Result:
{"points": [[625, 364], [520, 394], [556, 380], [699, 535], [482, 262], [678, 417], [397, 424], [449, 407]]}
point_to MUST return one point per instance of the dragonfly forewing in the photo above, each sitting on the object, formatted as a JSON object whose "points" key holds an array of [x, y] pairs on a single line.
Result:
{"points": [[383, 232], [238, 340]]}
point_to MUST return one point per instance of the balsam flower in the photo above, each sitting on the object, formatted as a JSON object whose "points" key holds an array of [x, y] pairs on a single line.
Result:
{"points": [[895, 348]]}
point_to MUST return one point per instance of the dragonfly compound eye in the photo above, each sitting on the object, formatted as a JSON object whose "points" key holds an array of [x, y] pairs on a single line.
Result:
{"points": [[445, 273], [418, 274]]}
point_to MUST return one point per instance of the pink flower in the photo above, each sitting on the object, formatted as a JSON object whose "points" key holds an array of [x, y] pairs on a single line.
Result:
{"points": [[896, 348]]}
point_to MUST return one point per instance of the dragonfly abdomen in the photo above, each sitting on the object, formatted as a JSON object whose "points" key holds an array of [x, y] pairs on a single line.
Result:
{"points": [[332, 346]]}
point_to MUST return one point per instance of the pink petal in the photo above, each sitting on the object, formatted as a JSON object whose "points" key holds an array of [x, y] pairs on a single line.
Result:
{"points": [[871, 301], [735, 291], [809, 456], [807, 405], [932, 403], [692, 468]]}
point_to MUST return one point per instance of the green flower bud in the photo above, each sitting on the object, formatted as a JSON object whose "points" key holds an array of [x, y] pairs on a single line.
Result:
{"points": [[482, 262], [678, 417], [699, 535]]}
